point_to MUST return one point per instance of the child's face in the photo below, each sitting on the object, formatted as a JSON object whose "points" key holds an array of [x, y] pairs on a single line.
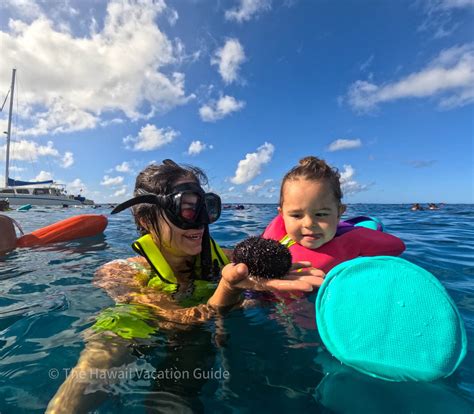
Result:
{"points": [[310, 212]]}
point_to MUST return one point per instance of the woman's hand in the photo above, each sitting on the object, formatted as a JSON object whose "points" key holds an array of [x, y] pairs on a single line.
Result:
{"points": [[302, 277], [235, 278]]}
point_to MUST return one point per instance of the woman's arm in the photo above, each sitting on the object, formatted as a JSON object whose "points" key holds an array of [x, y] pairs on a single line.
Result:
{"points": [[82, 390], [126, 282], [122, 279]]}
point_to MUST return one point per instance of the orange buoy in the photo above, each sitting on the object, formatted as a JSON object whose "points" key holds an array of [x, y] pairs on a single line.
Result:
{"points": [[84, 225]]}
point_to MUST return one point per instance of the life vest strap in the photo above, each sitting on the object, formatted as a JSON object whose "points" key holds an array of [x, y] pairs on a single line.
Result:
{"points": [[287, 241]]}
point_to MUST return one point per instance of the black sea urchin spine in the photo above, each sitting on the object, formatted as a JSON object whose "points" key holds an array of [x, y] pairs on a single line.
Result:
{"points": [[263, 257]]}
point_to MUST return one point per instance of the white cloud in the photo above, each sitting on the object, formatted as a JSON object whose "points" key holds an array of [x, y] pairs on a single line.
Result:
{"points": [[124, 167], [24, 8], [348, 184], [231, 189], [172, 16], [196, 147], [76, 186], [111, 181], [30, 151], [450, 4], [30, 10], [70, 82], [251, 166], [68, 160], [449, 78], [421, 163], [252, 189], [247, 9], [25, 150], [440, 18], [229, 58], [341, 144], [365, 65], [214, 111], [149, 138], [43, 176], [121, 192]]}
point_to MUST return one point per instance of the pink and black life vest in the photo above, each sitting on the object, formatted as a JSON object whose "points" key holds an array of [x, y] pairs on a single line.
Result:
{"points": [[360, 236]]}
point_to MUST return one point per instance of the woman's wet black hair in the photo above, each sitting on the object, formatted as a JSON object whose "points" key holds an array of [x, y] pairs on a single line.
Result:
{"points": [[161, 179]]}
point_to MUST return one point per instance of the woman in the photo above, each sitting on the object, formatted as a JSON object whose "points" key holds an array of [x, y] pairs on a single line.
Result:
{"points": [[174, 277]]}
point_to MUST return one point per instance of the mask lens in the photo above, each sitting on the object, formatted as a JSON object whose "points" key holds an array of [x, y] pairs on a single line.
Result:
{"points": [[213, 206], [189, 206]]}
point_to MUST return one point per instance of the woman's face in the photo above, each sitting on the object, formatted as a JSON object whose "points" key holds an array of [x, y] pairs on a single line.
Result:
{"points": [[177, 241]]}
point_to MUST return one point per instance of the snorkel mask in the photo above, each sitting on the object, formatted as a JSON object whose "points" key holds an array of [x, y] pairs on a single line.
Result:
{"points": [[187, 206]]}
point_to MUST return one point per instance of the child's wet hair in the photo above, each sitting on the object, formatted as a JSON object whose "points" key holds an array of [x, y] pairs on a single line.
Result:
{"points": [[314, 169], [161, 179]]}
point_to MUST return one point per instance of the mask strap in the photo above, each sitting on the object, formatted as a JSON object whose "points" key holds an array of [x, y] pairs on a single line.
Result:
{"points": [[170, 163], [141, 199], [206, 255]]}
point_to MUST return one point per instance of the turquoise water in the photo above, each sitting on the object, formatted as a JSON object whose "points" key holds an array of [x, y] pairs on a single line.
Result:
{"points": [[272, 362]]}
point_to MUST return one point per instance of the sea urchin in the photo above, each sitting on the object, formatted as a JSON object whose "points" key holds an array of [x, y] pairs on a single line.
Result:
{"points": [[263, 257]]}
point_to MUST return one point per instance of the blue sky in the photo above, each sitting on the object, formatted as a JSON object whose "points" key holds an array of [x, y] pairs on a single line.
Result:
{"points": [[383, 90]]}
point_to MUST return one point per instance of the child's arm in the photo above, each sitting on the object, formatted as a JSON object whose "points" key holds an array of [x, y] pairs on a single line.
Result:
{"points": [[377, 243]]}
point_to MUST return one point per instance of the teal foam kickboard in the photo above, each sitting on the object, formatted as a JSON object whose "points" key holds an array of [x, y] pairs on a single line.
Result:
{"points": [[390, 319]]}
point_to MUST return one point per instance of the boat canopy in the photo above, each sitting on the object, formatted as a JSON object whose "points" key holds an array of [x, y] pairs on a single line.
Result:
{"points": [[18, 183]]}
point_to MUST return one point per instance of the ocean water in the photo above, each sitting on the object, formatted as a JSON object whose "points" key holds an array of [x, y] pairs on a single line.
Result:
{"points": [[257, 360]]}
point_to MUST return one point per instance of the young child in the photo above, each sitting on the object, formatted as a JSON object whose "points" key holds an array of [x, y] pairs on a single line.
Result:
{"points": [[309, 213]]}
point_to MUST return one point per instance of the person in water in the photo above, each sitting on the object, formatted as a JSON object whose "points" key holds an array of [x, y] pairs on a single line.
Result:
{"points": [[181, 276], [416, 207], [8, 237], [309, 212]]}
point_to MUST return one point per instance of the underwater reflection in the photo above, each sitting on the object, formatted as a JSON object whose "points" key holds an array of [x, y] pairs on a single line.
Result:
{"points": [[344, 390]]}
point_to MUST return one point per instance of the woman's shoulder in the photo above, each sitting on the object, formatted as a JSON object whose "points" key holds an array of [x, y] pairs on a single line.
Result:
{"points": [[120, 269], [136, 263]]}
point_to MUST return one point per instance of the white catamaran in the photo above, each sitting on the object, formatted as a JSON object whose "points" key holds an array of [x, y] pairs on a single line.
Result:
{"points": [[42, 193]]}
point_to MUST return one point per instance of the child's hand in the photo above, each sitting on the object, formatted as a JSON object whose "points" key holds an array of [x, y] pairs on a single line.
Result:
{"points": [[302, 277], [305, 272]]}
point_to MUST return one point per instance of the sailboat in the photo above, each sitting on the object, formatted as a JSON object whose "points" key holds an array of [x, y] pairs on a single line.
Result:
{"points": [[41, 193]]}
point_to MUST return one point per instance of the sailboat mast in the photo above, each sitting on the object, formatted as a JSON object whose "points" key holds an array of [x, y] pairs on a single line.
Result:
{"points": [[9, 130]]}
